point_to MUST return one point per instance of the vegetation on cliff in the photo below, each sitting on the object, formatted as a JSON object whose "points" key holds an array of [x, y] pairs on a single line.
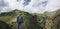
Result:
{"points": [[31, 21]]}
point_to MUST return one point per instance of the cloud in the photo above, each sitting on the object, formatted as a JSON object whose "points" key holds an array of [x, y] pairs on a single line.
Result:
{"points": [[40, 6], [26, 2], [53, 5], [36, 6], [3, 3], [13, 4], [31, 6]]}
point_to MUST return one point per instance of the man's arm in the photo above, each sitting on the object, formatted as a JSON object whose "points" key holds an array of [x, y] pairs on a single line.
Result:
{"points": [[17, 18]]}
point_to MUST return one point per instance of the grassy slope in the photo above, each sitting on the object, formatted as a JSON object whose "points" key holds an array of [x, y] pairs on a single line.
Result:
{"points": [[29, 18], [8, 16]]}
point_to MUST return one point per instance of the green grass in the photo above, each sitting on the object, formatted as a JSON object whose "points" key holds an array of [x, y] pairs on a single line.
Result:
{"points": [[6, 18]]}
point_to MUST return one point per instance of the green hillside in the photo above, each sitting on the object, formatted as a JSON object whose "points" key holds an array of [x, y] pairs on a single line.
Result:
{"points": [[35, 21]]}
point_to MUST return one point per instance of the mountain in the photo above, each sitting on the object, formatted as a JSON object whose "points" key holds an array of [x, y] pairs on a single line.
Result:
{"points": [[53, 21], [31, 20]]}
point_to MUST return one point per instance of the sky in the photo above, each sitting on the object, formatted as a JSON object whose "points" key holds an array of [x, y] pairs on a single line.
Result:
{"points": [[31, 6]]}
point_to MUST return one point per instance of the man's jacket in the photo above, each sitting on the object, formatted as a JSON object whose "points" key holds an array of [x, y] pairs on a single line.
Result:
{"points": [[20, 19]]}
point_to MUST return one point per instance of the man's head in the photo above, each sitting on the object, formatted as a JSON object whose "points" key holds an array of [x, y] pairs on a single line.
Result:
{"points": [[19, 14]]}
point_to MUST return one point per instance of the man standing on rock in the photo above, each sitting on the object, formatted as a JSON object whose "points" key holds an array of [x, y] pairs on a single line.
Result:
{"points": [[19, 21]]}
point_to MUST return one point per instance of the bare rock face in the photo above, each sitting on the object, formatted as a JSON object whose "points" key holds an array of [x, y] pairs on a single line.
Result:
{"points": [[14, 25], [49, 24], [53, 22], [57, 22]]}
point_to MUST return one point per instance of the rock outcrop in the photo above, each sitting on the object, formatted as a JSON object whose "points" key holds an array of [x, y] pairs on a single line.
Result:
{"points": [[54, 21]]}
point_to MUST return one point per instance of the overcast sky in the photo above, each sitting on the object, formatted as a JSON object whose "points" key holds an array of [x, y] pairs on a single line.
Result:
{"points": [[31, 6]]}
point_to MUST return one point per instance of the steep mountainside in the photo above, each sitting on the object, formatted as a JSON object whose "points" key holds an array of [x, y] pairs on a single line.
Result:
{"points": [[48, 20]]}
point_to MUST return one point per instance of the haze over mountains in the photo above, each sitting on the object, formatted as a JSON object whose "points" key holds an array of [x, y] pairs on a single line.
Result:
{"points": [[31, 6]]}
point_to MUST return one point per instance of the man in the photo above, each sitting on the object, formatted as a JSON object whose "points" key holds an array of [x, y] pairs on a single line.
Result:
{"points": [[19, 21]]}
